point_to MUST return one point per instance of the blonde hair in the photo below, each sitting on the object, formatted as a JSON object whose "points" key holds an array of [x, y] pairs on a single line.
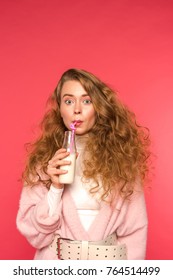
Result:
{"points": [[118, 147]]}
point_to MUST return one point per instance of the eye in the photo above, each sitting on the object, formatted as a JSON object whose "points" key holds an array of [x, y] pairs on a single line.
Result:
{"points": [[68, 101], [87, 101]]}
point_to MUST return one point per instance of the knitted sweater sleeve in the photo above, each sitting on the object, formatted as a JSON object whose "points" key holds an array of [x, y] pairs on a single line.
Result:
{"points": [[33, 219], [133, 230], [54, 197]]}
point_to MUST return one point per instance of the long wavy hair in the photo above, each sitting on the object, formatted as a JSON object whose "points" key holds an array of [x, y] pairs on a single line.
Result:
{"points": [[117, 149]]}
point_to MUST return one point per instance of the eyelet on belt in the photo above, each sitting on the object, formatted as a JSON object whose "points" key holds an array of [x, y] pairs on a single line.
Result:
{"points": [[59, 248]]}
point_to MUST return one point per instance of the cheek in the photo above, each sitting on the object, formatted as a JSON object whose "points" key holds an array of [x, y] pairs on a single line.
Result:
{"points": [[92, 116], [63, 112]]}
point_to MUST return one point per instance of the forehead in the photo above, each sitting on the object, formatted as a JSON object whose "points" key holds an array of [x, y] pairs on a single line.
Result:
{"points": [[72, 87]]}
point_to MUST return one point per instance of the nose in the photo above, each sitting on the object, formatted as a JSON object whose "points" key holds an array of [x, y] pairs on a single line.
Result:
{"points": [[77, 109]]}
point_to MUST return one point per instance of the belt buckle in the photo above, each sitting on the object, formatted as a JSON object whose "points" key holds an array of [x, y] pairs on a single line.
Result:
{"points": [[58, 248]]}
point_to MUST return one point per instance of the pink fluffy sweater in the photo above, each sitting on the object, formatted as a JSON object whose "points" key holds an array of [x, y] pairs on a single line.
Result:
{"points": [[127, 218]]}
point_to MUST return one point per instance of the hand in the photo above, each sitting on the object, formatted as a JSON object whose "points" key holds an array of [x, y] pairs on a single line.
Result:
{"points": [[53, 169]]}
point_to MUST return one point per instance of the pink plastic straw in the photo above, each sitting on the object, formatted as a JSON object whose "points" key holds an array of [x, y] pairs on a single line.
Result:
{"points": [[73, 128]]}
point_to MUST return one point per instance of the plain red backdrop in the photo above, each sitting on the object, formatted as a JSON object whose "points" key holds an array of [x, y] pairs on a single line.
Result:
{"points": [[128, 44]]}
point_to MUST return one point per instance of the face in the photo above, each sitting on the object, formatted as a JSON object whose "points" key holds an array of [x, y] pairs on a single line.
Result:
{"points": [[76, 105]]}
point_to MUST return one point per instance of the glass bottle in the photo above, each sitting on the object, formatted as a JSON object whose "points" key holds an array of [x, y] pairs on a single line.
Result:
{"points": [[69, 145]]}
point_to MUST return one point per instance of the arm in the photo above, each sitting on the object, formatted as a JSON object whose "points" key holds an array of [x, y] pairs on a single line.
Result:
{"points": [[54, 198], [133, 230], [33, 218]]}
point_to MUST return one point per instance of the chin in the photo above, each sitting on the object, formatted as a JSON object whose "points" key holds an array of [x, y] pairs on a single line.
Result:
{"points": [[80, 132]]}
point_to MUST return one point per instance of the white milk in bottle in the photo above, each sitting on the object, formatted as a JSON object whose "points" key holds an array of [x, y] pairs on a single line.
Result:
{"points": [[69, 145]]}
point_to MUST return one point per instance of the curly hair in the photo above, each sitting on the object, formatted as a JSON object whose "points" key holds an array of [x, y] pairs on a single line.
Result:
{"points": [[118, 147]]}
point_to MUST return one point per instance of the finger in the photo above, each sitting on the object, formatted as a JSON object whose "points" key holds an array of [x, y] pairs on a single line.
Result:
{"points": [[52, 171], [59, 163], [58, 157], [62, 150]]}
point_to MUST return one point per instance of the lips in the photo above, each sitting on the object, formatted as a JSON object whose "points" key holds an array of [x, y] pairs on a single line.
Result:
{"points": [[78, 123]]}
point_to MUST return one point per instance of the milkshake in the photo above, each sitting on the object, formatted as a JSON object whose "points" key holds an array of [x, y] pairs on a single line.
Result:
{"points": [[68, 177], [69, 145]]}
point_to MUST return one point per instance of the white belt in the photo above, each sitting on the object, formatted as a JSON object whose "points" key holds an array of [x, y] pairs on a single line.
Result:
{"points": [[106, 249]]}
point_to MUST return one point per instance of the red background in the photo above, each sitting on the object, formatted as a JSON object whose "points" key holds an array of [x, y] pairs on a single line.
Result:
{"points": [[126, 43]]}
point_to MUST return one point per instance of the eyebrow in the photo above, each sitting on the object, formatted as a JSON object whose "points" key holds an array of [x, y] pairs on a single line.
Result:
{"points": [[68, 94]]}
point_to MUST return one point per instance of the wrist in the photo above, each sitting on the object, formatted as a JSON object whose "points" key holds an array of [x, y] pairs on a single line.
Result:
{"points": [[57, 185]]}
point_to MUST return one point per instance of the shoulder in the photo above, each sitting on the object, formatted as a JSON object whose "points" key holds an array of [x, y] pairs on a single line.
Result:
{"points": [[30, 193]]}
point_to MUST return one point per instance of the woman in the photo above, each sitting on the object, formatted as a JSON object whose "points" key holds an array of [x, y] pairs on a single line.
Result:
{"points": [[102, 214]]}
